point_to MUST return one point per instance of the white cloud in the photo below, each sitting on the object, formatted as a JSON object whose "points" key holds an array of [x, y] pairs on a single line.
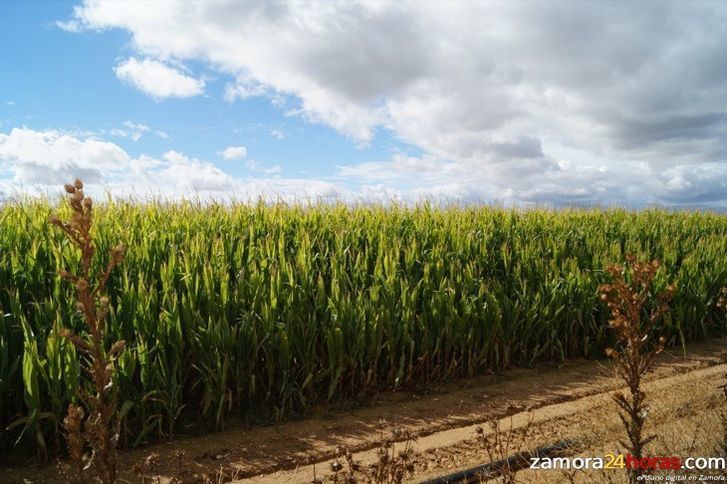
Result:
{"points": [[278, 134], [584, 182], [134, 131], [400, 166], [70, 25], [233, 153], [130, 130], [244, 89], [48, 159], [256, 166], [30, 158], [157, 79], [185, 173], [493, 92]]}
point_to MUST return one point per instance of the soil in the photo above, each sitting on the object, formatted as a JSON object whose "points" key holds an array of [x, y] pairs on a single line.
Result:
{"points": [[525, 408]]}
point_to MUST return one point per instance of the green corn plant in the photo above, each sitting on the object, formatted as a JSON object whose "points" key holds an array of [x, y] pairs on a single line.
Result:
{"points": [[32, 367], [260, 311]]}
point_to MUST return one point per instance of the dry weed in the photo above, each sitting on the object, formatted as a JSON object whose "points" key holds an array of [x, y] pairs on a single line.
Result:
{"points": [[96, 428], [629, 297]]}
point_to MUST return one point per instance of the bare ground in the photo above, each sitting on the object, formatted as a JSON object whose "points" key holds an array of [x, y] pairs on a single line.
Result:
{"points": [[533, 407]]}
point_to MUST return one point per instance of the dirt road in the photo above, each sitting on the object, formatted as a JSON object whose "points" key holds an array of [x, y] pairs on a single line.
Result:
{"points": [[574, 404], [527, 408]]}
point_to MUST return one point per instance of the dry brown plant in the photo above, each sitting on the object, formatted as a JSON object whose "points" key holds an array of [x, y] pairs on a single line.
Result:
{"points": [[393, 465], [722, 304], [635, 310], [97, 428], [500, 444]]}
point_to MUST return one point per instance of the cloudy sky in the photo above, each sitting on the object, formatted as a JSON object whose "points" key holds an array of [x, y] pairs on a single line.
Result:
{"points": [[514, 102]]}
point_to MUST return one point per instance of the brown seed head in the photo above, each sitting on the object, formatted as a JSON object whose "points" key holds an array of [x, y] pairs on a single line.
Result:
{"points": [[118, 253], [69, 188], [75, 412], [116, 349], [78, 184]]}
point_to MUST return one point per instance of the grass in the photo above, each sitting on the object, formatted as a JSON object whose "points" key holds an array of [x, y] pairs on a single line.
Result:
{"points": [[260, 311]]}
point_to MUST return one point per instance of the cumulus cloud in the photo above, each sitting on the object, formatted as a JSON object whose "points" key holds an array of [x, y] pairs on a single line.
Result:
{"points": [[493, 92], [47, 159], [157, 79], [562, 183], [233, 153]]}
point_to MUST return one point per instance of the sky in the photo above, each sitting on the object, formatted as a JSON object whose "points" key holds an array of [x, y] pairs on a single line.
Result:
{"points": [[545, 103]]}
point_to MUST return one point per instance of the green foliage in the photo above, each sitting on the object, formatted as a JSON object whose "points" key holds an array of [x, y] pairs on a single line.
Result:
{"points": [[260, 311]]}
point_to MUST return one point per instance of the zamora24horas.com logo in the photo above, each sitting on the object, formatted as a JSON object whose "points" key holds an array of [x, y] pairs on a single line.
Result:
{"points": [[621, 461]]}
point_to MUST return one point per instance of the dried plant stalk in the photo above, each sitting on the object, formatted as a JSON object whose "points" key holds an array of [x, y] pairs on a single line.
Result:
{"points": [[500, 444], [73, 425], [391, 467], [633, 322], [722, 450], [100, 430]]}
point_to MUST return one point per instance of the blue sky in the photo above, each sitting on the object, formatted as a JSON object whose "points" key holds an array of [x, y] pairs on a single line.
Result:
{"points": [[54, 79], [525, 103]]}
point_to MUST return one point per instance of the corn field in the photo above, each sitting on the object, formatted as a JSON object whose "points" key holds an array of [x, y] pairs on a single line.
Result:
{"points": [[258, 312]]}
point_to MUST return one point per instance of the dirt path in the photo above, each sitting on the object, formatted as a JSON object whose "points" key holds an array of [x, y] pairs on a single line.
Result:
{"points": [[581, 421], [534, 407]]}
